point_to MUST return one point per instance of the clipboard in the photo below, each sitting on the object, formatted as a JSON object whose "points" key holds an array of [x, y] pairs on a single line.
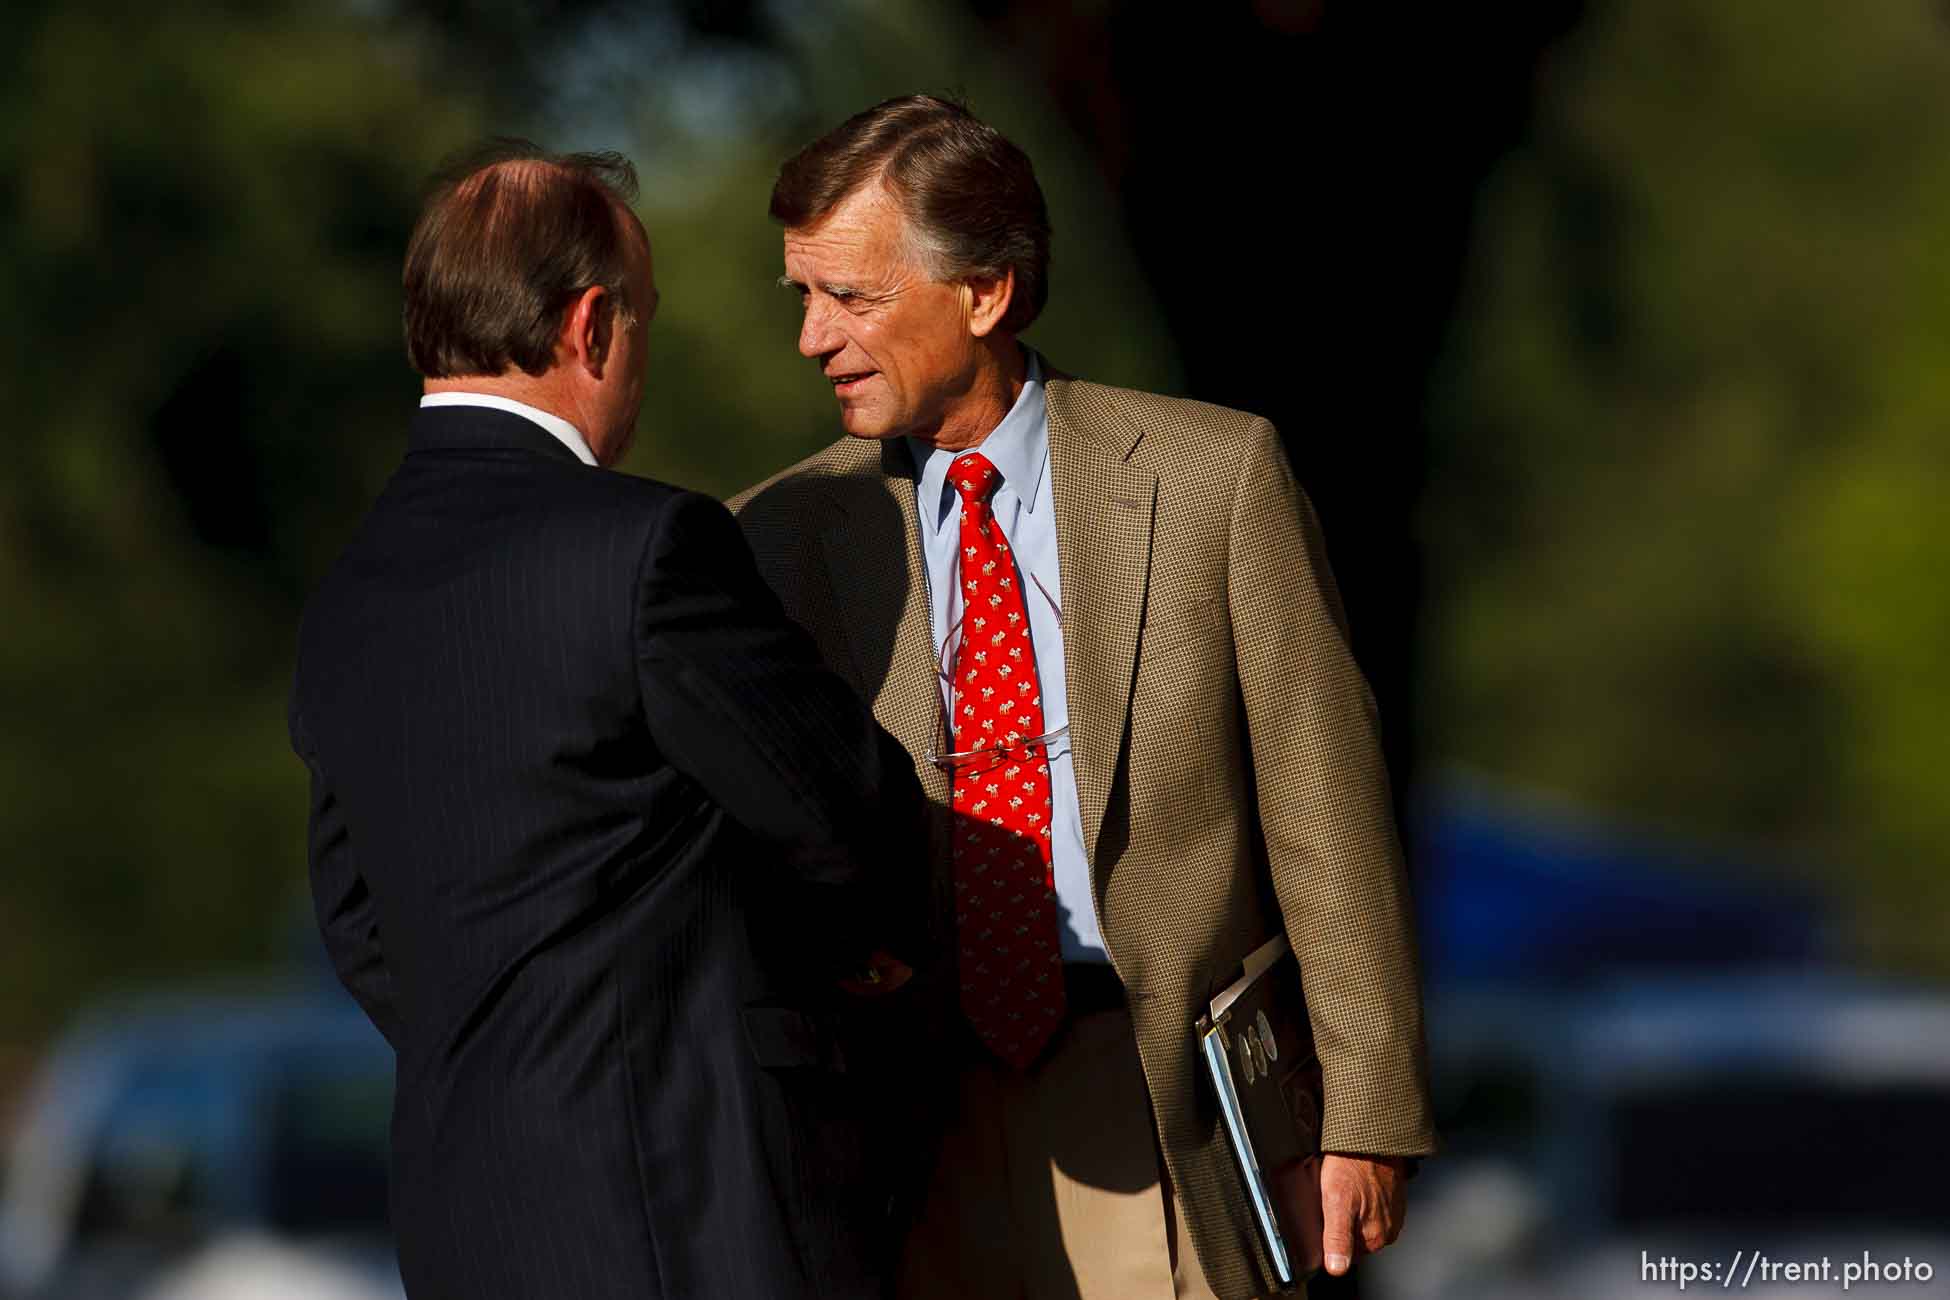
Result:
{"points": [[1257, 1044]]}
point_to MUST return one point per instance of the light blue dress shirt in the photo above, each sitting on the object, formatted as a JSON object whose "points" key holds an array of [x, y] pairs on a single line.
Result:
{"points": [[1025, 511]]}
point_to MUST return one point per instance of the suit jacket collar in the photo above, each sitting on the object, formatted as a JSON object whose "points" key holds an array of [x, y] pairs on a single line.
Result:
{"points": [[481, 428], [1106, 503]]}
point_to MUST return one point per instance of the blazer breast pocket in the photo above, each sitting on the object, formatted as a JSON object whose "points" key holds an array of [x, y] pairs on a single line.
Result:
{"points": [[1184, 670]]}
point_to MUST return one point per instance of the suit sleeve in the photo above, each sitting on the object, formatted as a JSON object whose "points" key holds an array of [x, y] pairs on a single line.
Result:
{"points": [[737, 698], [348, 918], [1326, 813]]}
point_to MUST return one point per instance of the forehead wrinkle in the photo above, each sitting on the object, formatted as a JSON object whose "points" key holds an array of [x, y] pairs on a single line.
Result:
{"points": [[868, 225]]}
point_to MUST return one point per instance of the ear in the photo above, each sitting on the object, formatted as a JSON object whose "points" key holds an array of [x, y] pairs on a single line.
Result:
{"points": [[587, 327], [986, 300]]}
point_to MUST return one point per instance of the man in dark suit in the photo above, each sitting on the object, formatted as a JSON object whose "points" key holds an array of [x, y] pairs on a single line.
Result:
{"points": [[594, 837]]}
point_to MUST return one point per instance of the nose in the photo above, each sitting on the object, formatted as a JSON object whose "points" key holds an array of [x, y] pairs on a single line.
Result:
{"points": [[817, 337]]}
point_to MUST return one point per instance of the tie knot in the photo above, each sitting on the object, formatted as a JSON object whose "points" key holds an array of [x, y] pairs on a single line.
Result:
{"points": [[974, 478]]}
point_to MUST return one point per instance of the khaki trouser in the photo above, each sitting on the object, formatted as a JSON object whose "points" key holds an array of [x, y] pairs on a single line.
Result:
{"points": [[1048, 1185]]}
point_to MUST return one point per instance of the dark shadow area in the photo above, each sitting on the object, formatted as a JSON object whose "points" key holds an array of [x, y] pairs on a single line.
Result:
{"points": [[835, 549], [1299, 181]]}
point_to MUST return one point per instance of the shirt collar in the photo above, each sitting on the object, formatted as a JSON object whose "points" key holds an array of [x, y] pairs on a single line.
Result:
{"points": [[1018, 447], [565, 433]]}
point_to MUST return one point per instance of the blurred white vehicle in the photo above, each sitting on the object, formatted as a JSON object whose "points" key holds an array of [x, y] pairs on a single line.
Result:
{"points": [[1700, 1120], [261, 1268], [180, 1146]]}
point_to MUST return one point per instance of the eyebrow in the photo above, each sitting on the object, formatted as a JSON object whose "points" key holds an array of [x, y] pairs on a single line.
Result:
{"points": [[835, 290]]}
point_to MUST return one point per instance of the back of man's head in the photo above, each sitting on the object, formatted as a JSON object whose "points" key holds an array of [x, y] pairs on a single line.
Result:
{"points": [[508, 239]]}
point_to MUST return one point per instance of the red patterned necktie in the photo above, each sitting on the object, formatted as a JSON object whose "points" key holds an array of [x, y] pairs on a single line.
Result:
{"points": [[1005, 896]]}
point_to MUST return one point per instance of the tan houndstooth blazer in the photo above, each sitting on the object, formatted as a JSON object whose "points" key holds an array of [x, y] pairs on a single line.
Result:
{"points": [[1226, 749]]}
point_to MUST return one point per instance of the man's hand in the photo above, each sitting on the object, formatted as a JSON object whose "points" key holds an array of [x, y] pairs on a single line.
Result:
{"points": [[1362, 1203], [884, 973]]}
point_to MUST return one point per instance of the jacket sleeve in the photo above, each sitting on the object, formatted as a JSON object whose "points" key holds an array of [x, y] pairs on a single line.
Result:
{"points": [[1326, 814], [348, 918], [738, 699]]}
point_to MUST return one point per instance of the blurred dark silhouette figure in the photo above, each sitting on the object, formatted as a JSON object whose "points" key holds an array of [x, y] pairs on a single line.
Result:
{"points": [[594, 836]]}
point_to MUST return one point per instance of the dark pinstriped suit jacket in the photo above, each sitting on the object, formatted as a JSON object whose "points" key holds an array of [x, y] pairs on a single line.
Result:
{"points": [[590, 831]]}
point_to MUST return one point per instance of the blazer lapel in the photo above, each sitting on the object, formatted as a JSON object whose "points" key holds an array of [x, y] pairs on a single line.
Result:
{"points": [[1105, 508], [869, 582]]}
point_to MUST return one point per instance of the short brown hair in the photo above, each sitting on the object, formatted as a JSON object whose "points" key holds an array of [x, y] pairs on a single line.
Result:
{"points": [[970, 197], [508, 238]]}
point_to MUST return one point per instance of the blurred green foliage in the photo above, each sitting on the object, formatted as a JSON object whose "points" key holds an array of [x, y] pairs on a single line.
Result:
{"points": [[1685, 534], [730, 399], [200, 229], [1680, 547], [202, 217]]}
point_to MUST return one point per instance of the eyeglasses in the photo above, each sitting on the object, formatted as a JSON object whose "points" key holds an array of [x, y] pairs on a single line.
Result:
{"points": [[1013, 747], [1019, 749]]}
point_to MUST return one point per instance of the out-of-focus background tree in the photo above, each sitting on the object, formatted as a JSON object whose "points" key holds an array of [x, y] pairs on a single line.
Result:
{"points": [[1691, 439], [199, 240], [1610, 340], [202, 238]]}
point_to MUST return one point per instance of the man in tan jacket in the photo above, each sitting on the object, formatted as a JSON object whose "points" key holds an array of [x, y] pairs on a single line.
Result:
{"points": [[1103, 623]]}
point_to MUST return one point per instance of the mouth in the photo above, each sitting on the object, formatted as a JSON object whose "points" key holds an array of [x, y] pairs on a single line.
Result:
{"points": [[846, 385]]}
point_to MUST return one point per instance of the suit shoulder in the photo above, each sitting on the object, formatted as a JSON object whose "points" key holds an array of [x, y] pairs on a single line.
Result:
{"points": [[782, 499], [607, 497], [603, 517], [625, 491], [1169, 419]]}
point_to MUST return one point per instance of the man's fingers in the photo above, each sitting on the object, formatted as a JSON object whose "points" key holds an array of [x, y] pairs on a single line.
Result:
{"points": [[1361, 1204], [1338, 1214], [884, 974], [1397, 1214], [1386, 1207]]}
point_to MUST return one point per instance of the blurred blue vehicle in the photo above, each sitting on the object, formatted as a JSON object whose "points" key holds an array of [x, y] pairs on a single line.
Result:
{"points": [[199, 1145]]}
